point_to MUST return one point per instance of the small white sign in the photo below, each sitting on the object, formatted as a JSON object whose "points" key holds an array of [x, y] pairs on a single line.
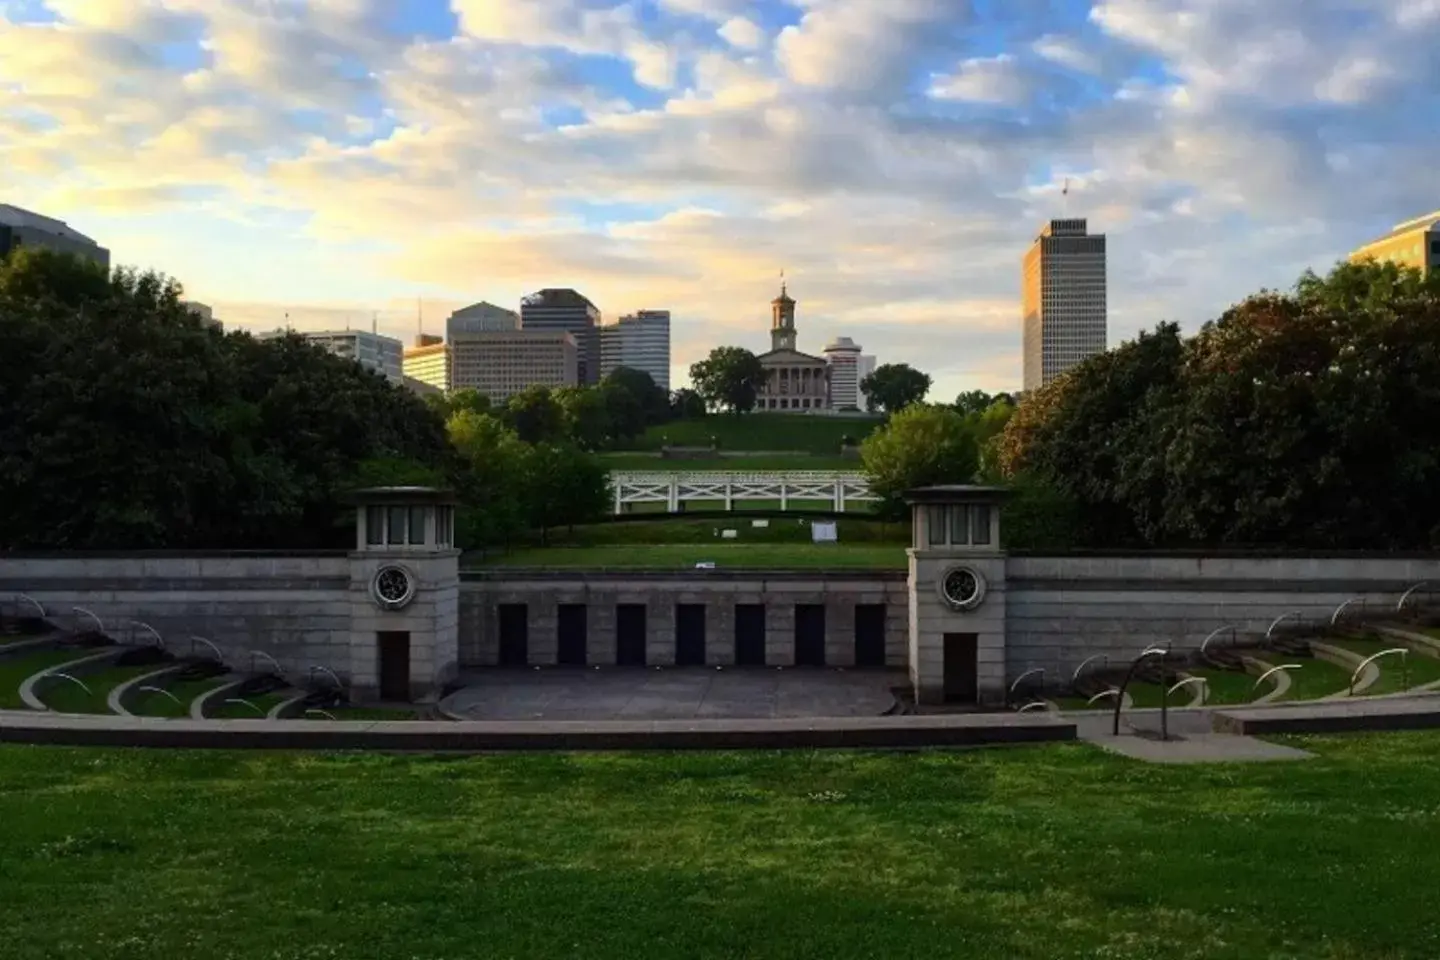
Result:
{"points": [[759, 523], [729, 534], [822, 531], [705, 565]]}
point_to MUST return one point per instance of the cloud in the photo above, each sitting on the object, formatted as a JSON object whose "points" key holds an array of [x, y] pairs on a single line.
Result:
{"points": [[339, 157], [985, 80]]}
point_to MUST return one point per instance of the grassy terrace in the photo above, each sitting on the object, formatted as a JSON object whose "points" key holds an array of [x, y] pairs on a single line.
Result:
{"points": [[1039, 853], [681, 556], [238, 711], [1417, 670], [652, 461], [66, 697], [15, 670], [819, 436], [158, 705]]}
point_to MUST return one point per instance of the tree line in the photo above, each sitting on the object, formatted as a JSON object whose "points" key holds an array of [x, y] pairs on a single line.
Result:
{"points": [[1306, 419], [731, 379]]}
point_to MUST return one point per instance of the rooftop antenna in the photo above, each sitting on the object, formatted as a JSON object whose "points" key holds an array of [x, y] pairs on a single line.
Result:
{"points": [[375, 321]]}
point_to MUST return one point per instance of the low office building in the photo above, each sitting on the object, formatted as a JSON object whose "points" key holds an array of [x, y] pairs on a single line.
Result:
{"points": [[384, 355], [22, 228], [500, 364], [204, 314], [428, 364], [1414, 243]]}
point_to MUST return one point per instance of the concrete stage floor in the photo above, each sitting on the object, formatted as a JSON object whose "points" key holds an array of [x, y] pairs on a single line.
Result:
{"points": [[671, 693]]}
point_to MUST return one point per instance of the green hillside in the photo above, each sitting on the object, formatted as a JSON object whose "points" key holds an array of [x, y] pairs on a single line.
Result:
{"points": [[819, 436]]}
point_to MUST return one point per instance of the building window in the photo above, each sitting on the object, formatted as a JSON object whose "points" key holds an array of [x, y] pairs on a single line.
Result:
{"points": [[375, 526], [1435, 247], [936, 523], [417, 525], [959, 525], [981, 524], [395, 524]]}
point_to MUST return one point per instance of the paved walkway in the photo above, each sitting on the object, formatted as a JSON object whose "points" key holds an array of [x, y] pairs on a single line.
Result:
{"points": [[1190, 739], [671, 693]]}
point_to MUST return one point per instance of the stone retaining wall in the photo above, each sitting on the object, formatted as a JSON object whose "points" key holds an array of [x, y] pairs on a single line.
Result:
{"points": [[1060, 610], [294, 606], [718, 591]]}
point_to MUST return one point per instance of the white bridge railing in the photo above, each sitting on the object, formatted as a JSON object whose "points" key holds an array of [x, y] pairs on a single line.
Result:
{"points": [[789, 486]]}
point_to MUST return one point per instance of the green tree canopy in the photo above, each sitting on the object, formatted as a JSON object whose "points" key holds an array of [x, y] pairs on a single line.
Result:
{"points": [[920, 446], [491, 481], [729, 379], [125, 423], [564, 486], [891, 387], [686, 405], [536, 416], [650, 401], [1309, 419]]}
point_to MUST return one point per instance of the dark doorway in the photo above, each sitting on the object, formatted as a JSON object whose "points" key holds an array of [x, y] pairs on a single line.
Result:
{"points": [[394, 646], [750, 634], [690, 635], [630, 634], [870, 635], [809, 635], [570, 635], [514, 634], [961, 673]]}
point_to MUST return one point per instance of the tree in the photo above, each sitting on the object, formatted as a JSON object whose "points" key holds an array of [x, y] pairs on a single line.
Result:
{"points": [[126, 423], [564, 485], [535, 415], [490, 482], [730, 378], [587, 416], [920, 446], [891, 387], [686, 405], [650, 399], [978, 401], [626, 414]]}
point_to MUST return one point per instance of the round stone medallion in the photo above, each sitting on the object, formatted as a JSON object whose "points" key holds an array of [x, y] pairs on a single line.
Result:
{"points": [[962, 588], [393, 587]]}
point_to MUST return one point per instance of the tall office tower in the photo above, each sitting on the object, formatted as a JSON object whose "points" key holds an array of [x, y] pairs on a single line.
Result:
{"points": [[428, 363], [1064, 300], [501, 363], [1414, 243], [481, 317], [384, 355], [21, 228], [844, 356], [567, 310], [641, 342]]}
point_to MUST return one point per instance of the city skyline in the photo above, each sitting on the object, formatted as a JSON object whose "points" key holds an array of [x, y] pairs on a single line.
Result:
{"points": [[334, 160]]}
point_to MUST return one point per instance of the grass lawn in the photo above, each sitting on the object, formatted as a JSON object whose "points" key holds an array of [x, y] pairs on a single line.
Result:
{"points": [[63, 696], [777, 530], [761, 432], [15, 670], [1394, 677], [238, 711], [159, 705], [1029, 853], [1316, 678], [676, 556], [1228, 686], [652, 461]]}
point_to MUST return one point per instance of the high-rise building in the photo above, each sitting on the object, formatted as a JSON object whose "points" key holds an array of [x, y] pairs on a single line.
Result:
{"points": [[1414, 243], [844, 356], [428, 363], [567, 310], [481, 317], [21, 228], [384, 355], [864, 366], [501, 363], [641, 342], [1063, 300]]}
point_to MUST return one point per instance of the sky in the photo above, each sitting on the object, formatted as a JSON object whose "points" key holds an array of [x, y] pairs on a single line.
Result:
{"points": [[349, 162]]}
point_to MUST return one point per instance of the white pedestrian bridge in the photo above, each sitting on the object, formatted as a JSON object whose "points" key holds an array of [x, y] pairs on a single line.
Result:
{"points": [[792, 489]]}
